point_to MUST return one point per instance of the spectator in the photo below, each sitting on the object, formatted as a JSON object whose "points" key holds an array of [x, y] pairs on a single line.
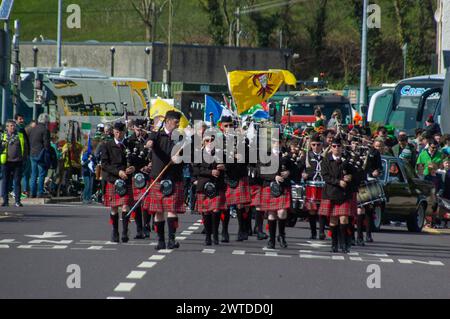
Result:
{"points": [[14, 150], [403, 146], [438, 186], [27, 164], [40, 155], [420, 170], [430, 155], [336, 118], [418, 138], [446, 147], [88, 163], [20, 121], [431, 127]]}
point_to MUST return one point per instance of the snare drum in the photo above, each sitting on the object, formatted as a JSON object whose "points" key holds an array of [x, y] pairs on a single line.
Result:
{"points": [[370, 193], [314, 191], [298, 196]]}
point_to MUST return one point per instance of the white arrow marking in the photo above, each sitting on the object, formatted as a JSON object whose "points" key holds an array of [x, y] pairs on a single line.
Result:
{"points": [[9, 241], [4, 246], [47, 235], [42, 247], [42, 241], [313, 244]]}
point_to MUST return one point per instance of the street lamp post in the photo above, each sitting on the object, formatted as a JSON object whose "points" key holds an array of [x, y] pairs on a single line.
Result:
{"points": [[35, 56], [113, 53], [59, 41], [363, 86]]}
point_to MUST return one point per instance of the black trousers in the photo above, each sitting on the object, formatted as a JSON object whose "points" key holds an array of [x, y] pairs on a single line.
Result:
{"points": [[12, 176]]}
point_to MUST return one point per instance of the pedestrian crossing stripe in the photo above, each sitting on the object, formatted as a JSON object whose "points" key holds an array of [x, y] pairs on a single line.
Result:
{"points": [[125, 287]]}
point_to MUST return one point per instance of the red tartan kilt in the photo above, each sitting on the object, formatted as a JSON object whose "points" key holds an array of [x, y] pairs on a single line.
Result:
{"points": [[270, 203], [204, 204], [333, 209], [137, 193], [312, 205], [155, 202], [256, 195], [111, 199], [239, 195]]}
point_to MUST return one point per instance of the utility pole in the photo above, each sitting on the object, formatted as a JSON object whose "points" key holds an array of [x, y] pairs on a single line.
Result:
{"points": [[363, 87], [238, 27], [167, 76], [59, 40], [16, 67], [5, 87]]}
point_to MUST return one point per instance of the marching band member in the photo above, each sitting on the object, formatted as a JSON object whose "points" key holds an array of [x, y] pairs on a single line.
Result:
{"points": [[138, 156], [117, 175], [211, 199], [276, 196], [337, 195], [169, 196], [313, 168], [255, 187], [236, 178]]}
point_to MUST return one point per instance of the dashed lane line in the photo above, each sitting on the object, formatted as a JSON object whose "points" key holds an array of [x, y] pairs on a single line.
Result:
{"points": [[157, 257], [147, 264], [125, 287], [135, 274], [208, 251]]}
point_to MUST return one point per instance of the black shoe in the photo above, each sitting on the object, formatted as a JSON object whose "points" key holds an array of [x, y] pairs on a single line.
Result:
{"points": [[216, 241], [203, 231], [245, 235], [322, 237], [173, 244], [5, 205], [139, 235], [125, 238], [115, 237], [360, 242], [241, 237], [313, 237], [208, 241], [147, 232], [262, 236], [282, 241], [271, 244], [161, 245], [18, 205], [334, 249], [369, 239], [353, 242], [225, 238]]}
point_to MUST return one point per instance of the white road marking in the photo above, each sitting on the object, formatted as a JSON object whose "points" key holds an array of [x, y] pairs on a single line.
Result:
{"points": [[199, 221], [420, 262], [147, 264], [43, 241], [208, 251], [180, 238], [165, 251], [133, 243], [47, 235], [95, 242], [4, 246], [136, 275], [238, 252], [157, 257], [307, 256], [95, 248], [42, 247], [187, 232], [193, 228], [269, 249], [197, 224], [9, 241], [125, 287], [382, 260], [115, 298]]}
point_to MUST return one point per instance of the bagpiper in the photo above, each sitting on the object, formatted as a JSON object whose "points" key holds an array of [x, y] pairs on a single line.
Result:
{"points": [[117, 175], [210, 183], [337, 196], [167, 197], [276, 193]]}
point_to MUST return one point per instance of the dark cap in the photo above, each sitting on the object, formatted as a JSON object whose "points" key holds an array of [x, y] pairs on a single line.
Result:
{"points": [[403, 138], [140, 123], [337, 141], [173, 115], [226, 119], [119, 126], [316, 138]]}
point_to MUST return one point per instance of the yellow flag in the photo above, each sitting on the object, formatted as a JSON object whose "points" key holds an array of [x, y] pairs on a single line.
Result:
{"points": [[161, 107], [250, 88]]}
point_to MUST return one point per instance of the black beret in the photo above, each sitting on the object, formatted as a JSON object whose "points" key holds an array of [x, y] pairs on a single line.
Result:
{"points": [[140, 123], [316, 138], [226, 119], [336, 141], [173, 115], [119, 126]]}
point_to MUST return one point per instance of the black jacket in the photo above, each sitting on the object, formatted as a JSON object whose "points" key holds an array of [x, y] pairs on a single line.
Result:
{"points": [[113, 161], [161, 155], [138, 155], [285, 164], [39, 138], [374, 162], [332, 173], [202, 173], [312, 163], [235, 170]]}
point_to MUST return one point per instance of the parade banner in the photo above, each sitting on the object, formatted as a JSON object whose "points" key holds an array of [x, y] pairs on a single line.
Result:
{"points": [[250, 88], [161, 107]]}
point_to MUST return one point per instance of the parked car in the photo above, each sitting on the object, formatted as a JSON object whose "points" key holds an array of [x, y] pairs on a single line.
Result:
{"points": [[408, 198]]}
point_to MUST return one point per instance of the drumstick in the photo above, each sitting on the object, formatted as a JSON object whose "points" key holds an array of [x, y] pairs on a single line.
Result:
{"points": [[154, 182]]}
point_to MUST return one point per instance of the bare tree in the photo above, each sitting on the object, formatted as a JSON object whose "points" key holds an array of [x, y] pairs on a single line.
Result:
{"points": [[149, 11]]}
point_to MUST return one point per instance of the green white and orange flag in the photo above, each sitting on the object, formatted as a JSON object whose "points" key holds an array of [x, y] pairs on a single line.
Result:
{"points": [[250, 88]]}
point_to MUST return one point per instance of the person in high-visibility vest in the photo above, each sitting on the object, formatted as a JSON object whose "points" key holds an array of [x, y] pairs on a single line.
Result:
{"points": [[14, 151]]}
